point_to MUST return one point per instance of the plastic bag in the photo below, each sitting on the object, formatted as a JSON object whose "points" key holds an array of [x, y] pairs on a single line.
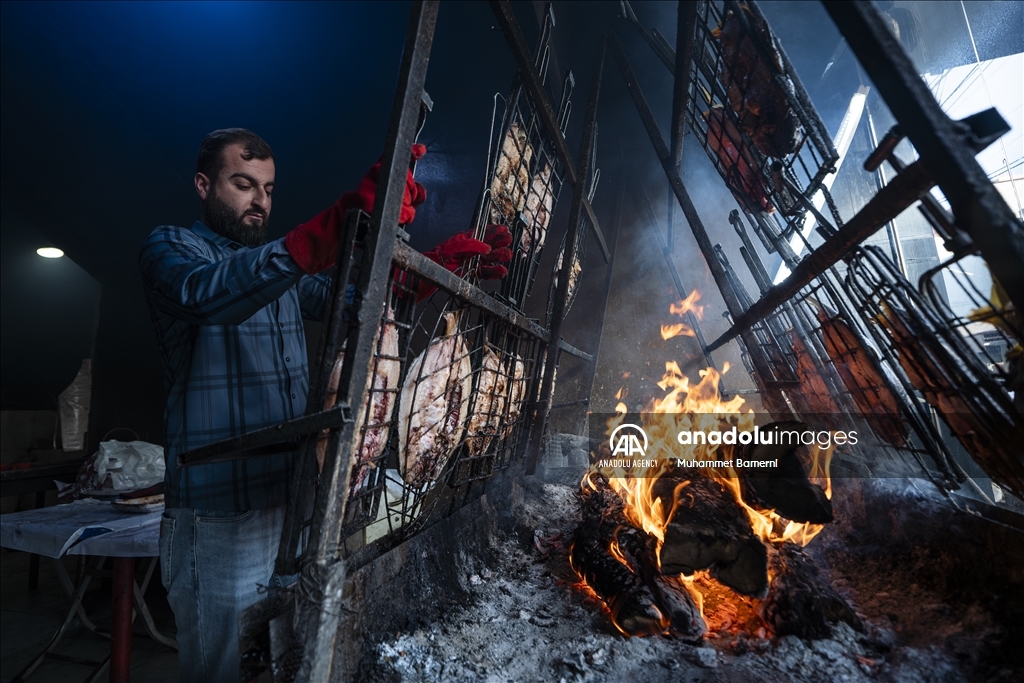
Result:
{"points": [[131, 465], [73, 405], [119, 467]]}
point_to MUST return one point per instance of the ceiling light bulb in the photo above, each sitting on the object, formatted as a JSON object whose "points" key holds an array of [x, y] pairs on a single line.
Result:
{"points": [[49, 252]]}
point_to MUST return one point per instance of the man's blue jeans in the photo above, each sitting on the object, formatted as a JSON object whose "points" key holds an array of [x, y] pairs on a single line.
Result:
{"points": [[212, 565]]}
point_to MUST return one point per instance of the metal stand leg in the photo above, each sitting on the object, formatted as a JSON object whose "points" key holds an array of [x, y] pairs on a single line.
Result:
{"points": [[121, 630], [69, 588], [76, 609], [122, 621], [142, 608]]}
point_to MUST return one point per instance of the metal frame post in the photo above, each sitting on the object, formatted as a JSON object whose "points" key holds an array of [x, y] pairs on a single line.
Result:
{"points": [[318, 609], [579, 196]]}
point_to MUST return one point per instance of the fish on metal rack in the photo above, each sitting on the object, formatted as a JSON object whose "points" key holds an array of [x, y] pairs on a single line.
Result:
{"points": [[374, 416], [574, 274], [511, 177], [434, 404], [813, 396], [488, 405], [539, 203], [517, 395], [868, 388], [992, 447], [742, 175], [758, 91]]}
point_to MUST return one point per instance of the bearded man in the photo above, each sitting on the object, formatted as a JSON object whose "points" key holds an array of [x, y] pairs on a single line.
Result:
{"points": [[228, 308]]}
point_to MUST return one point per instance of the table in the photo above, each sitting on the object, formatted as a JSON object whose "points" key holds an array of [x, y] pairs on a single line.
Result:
{"points": [[97, 529], [37, 479]]}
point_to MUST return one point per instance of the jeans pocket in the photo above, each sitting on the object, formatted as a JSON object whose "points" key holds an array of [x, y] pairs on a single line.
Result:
{"points": [[219, 517], [166, 546]]}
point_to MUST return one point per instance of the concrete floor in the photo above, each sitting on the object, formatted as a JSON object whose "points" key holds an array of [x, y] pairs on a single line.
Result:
{"points": [[28, 619]]}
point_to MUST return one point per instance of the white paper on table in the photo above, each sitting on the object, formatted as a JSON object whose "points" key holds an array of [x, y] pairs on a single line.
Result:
{"points": [[52, 531], [140, 541]]}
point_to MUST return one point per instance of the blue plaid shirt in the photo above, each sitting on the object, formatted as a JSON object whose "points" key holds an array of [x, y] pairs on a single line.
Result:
{"points": [[229, 324]]}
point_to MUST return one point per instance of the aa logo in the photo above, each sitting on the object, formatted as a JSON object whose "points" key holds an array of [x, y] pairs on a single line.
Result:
{"points": [[628, 440]]}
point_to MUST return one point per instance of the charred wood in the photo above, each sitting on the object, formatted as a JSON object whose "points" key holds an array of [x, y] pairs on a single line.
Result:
{"points": [[785, 489], [709, 530], [641, 600], [801, 602], [672, 599], [621, 588]]}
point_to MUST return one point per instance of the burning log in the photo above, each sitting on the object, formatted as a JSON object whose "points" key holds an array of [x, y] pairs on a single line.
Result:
{"points": [[618, 561], [623, 591], [801, 602], [785, 489], [674, 601], [709, 530]]}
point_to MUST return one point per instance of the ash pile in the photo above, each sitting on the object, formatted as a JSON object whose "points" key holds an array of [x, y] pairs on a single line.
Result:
{"points": [[928, 610]]}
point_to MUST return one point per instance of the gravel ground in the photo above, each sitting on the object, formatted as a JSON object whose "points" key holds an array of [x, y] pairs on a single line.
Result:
{"points": [[932, 613]]}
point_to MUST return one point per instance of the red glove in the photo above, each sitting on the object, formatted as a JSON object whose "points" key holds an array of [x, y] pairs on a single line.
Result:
{"points": [[458, 249], [314, 244], [413, 196], [498, 238]]}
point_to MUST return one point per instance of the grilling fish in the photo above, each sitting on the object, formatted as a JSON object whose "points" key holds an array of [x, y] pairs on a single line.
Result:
{"points": [[434, 403], [539, 202], [814, 396], [378, 404], [518, 396], [862, 378], [741, 170], [511, 177], [758, 91], [489, 404], [992, 447], [574, 276]]}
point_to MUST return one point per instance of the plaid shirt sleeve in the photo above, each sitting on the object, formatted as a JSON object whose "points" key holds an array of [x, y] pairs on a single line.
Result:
{"points": [[228, 321]]}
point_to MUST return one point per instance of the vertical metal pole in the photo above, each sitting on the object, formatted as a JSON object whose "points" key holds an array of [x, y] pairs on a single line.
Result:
{"points": [[121, 628], [685, 25], [319, 601], [617, 223], [579, 192], [890, 227]]}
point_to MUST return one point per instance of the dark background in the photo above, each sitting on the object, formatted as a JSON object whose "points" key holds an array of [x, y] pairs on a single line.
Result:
{"points": [[103, 106]]}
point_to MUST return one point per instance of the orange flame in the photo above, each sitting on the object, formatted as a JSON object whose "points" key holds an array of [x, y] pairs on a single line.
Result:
{"points": [[669, 331], [696, 407], [687, 305], [617, 553]]}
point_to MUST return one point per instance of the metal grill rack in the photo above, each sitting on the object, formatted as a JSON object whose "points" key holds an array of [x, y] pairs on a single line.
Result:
{"points": [[939, 362], [494, 376], [524, 174], [822, 364], [580, 260], [709, 65], [355, 491], [988, 325], [739, 68]]}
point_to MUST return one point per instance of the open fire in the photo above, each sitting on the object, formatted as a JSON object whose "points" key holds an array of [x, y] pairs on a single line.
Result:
{"points": [[706, 551]]}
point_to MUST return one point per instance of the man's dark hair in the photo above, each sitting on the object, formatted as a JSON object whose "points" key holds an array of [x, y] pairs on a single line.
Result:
{"points": [[210, 152]]}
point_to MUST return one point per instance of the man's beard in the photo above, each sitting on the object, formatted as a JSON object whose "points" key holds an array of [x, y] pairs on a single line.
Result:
{"points": [[223, 220]]}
